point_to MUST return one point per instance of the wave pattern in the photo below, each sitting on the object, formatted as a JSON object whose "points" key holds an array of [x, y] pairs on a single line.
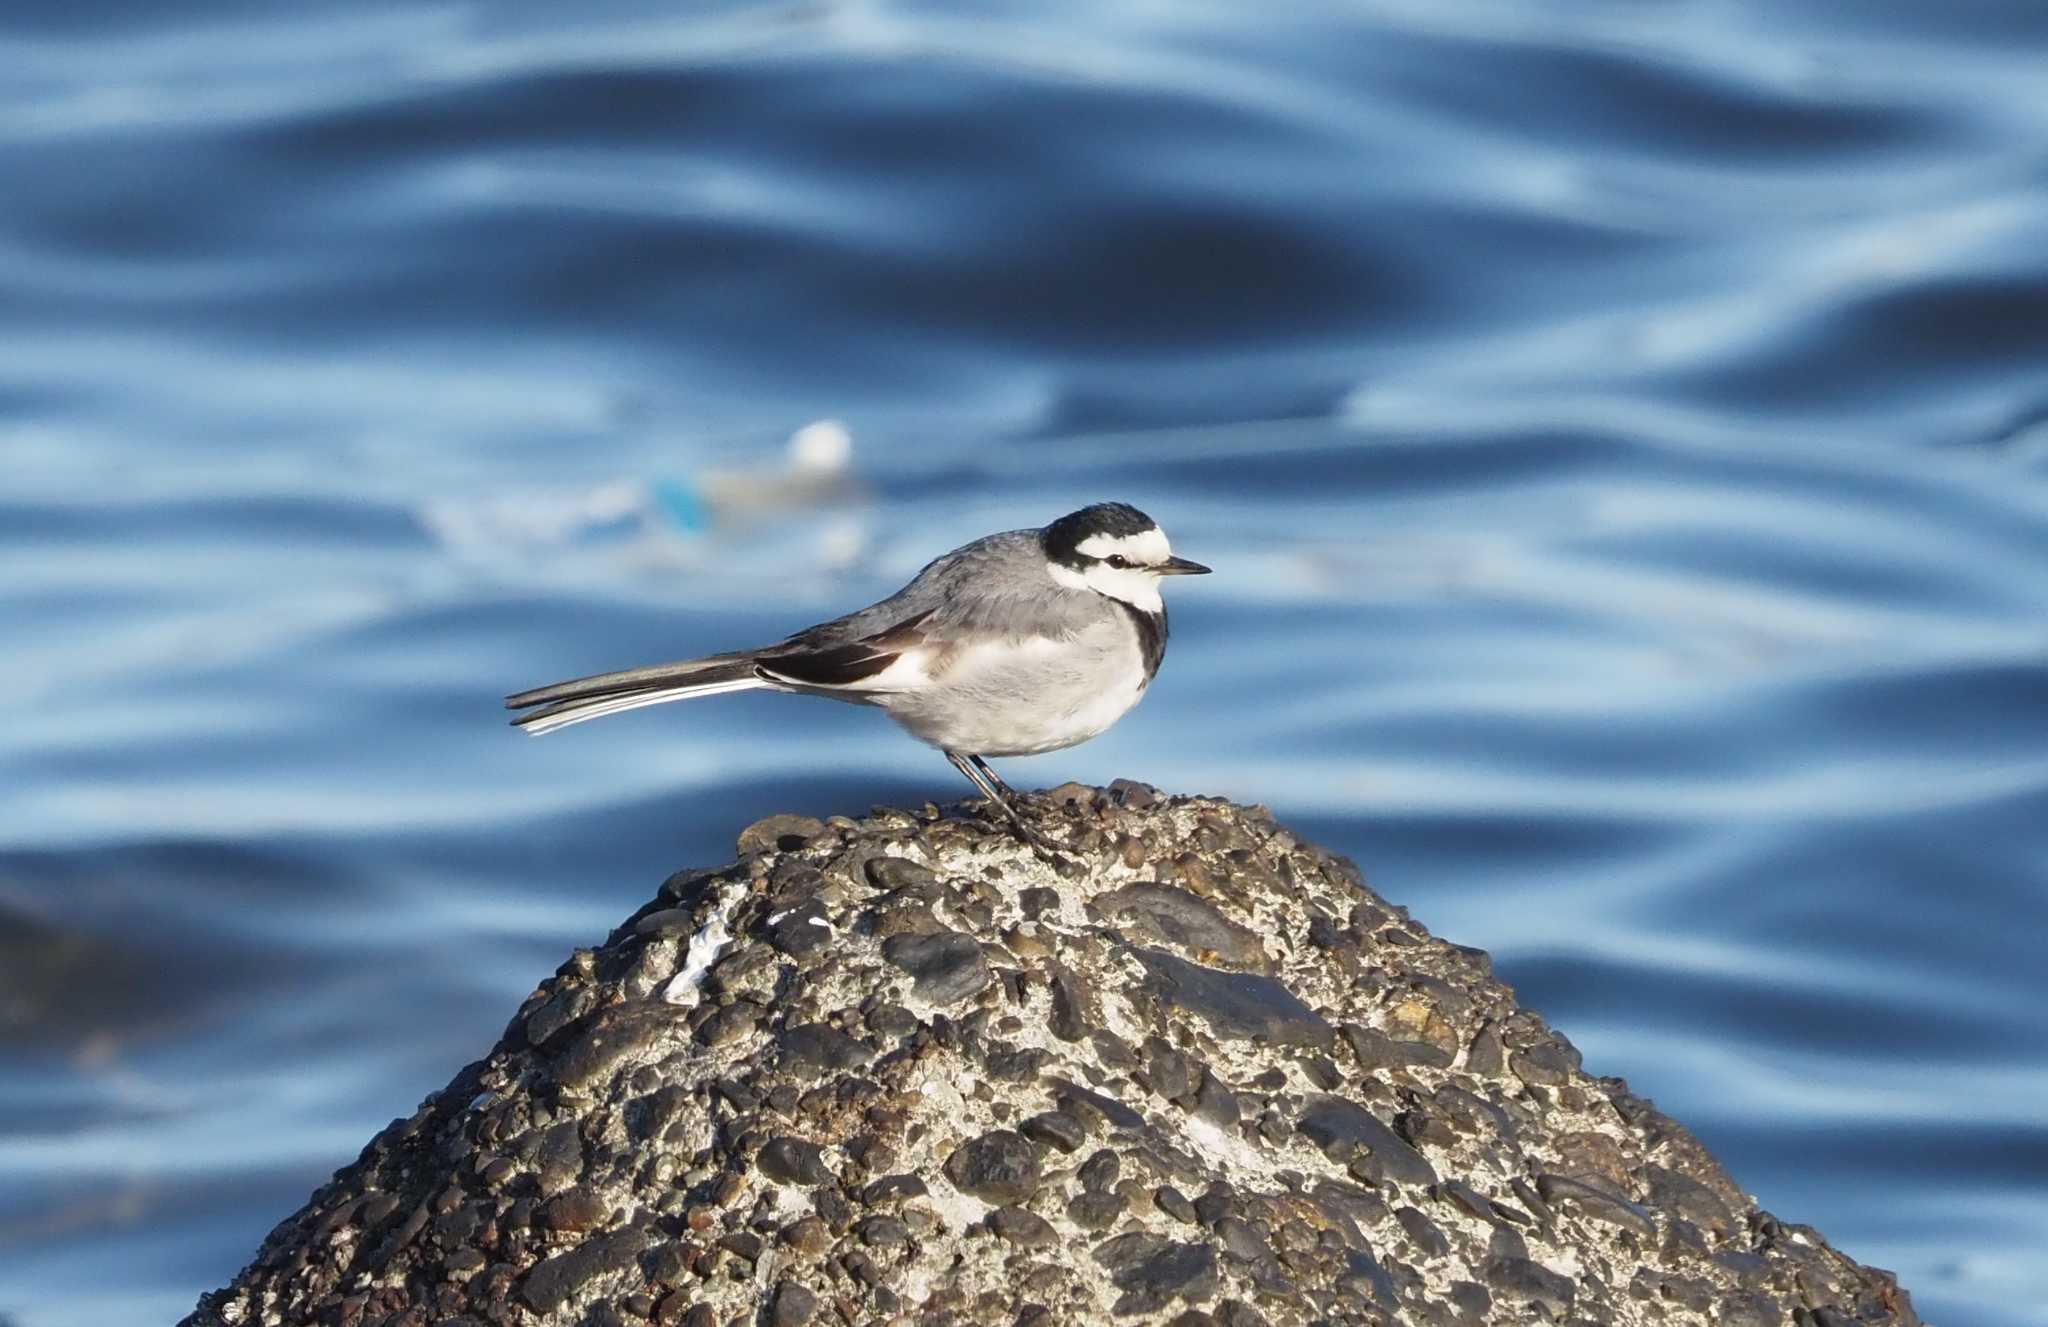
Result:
{"points": [[1621, 430]]}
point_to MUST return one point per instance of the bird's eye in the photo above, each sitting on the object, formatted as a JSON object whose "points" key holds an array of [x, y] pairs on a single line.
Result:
{"points": [[1117, 560]]}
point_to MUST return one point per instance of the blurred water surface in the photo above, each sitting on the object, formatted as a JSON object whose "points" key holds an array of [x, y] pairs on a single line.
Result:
{"points": [[1621, 432]]}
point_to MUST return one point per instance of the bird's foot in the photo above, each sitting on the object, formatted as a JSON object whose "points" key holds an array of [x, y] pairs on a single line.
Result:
{"points": [[1034, 840], [1042, 846]]}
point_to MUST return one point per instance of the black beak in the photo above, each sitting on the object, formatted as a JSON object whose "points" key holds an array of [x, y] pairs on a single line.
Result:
{"points": [[1181, 567]]}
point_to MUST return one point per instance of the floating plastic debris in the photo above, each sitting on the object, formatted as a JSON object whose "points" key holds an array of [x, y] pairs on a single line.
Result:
{"points": [[659, 518]]}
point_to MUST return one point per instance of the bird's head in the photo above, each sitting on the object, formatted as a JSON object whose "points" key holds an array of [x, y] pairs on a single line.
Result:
{"points": [[1114, 549]]}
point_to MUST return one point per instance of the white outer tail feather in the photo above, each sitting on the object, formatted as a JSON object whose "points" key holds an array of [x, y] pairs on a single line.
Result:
{"points": [[598, 706]]}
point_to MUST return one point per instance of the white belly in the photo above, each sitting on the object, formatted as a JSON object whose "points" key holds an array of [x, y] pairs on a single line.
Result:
{"points": [[1023, 697]]}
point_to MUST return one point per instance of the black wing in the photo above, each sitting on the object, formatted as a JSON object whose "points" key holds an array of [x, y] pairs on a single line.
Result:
{"points": [[844, 664]]}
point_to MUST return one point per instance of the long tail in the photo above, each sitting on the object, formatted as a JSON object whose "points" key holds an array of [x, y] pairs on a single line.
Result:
{"points": [[564, 703]]}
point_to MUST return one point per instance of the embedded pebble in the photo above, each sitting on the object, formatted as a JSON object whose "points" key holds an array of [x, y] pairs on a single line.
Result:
{"points": [[793, 1161], [1174, 1203], [1100, 1171], [1175, 917], [945, 967], [794, 1306], [1021, 1225], [786, 832], [893, 1189], [802, 930], [892, 1020], [1238, 1006], [1338, 1126], [813, 1049], [1055, 1129], [1594, 1201], [1095, 1210], [1545, 1064], [1428, 1239], [554, 1280], [1523, 1281], [998, 1167], [1153, 1272]]}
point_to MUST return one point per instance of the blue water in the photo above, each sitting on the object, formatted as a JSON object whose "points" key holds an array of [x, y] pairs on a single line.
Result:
{"points": [[1621, 432]]}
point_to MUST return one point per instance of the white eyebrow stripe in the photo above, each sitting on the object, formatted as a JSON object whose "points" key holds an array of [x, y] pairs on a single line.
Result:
{"points": [[1144, 546]]}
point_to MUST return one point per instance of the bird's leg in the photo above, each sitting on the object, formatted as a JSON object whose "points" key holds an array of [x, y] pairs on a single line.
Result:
{"points": [[983, 778], [991, 776]]}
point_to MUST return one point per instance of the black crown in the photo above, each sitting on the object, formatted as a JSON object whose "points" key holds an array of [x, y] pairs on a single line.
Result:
{"points": [[1115, 519]]}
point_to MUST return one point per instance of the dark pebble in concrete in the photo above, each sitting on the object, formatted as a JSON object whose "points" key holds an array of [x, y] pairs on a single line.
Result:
{"points": [[1241, 1241], [666, 922], [797, 932], [1596, 1201], [1131, 793], [610, 1038], [1215, 1204], [1362, 1264], [1016, 1064], [555, 1280], [794, 1306], [891, 1020], [1470, 1298], [792, 1161], [1174, 1203], [882, 1232], [1153, 1271], [1533, 1200], [1486, 1057], [1429, 1240], [576, 1209], [1101, 1170], [1175, 917], [728, 1023], [741, 1243], [893, 1189], [1675, 1192], [1020, 1225], [899, 873], [1760, 1310], [1545, 1064], [1055, 1129], [1089, 1104], [1217, 1104], [1037, 901], [813, 1049], [1095, 1210], [1524, 1282], [832, 1209], [998, 1167], [1172, 1073], [945, 967], [1238, 1006], [1337, 1125], [786, 833], [1467, 1198], [1376, 1050], [807, 1235], [1069, 1004]]}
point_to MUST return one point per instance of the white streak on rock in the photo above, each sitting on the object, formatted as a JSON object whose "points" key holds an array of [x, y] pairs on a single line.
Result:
{"points": [[705, 947]]}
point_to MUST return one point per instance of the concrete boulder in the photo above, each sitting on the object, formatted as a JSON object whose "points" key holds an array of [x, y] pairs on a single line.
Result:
{"points": [[1195, 1073]]}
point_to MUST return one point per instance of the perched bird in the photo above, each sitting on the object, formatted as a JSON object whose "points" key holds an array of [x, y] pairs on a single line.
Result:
{"points": [[1018, 643]]}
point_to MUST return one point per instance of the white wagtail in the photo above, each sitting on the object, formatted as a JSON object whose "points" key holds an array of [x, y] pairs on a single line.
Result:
{"points": [[1019, 643]]}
